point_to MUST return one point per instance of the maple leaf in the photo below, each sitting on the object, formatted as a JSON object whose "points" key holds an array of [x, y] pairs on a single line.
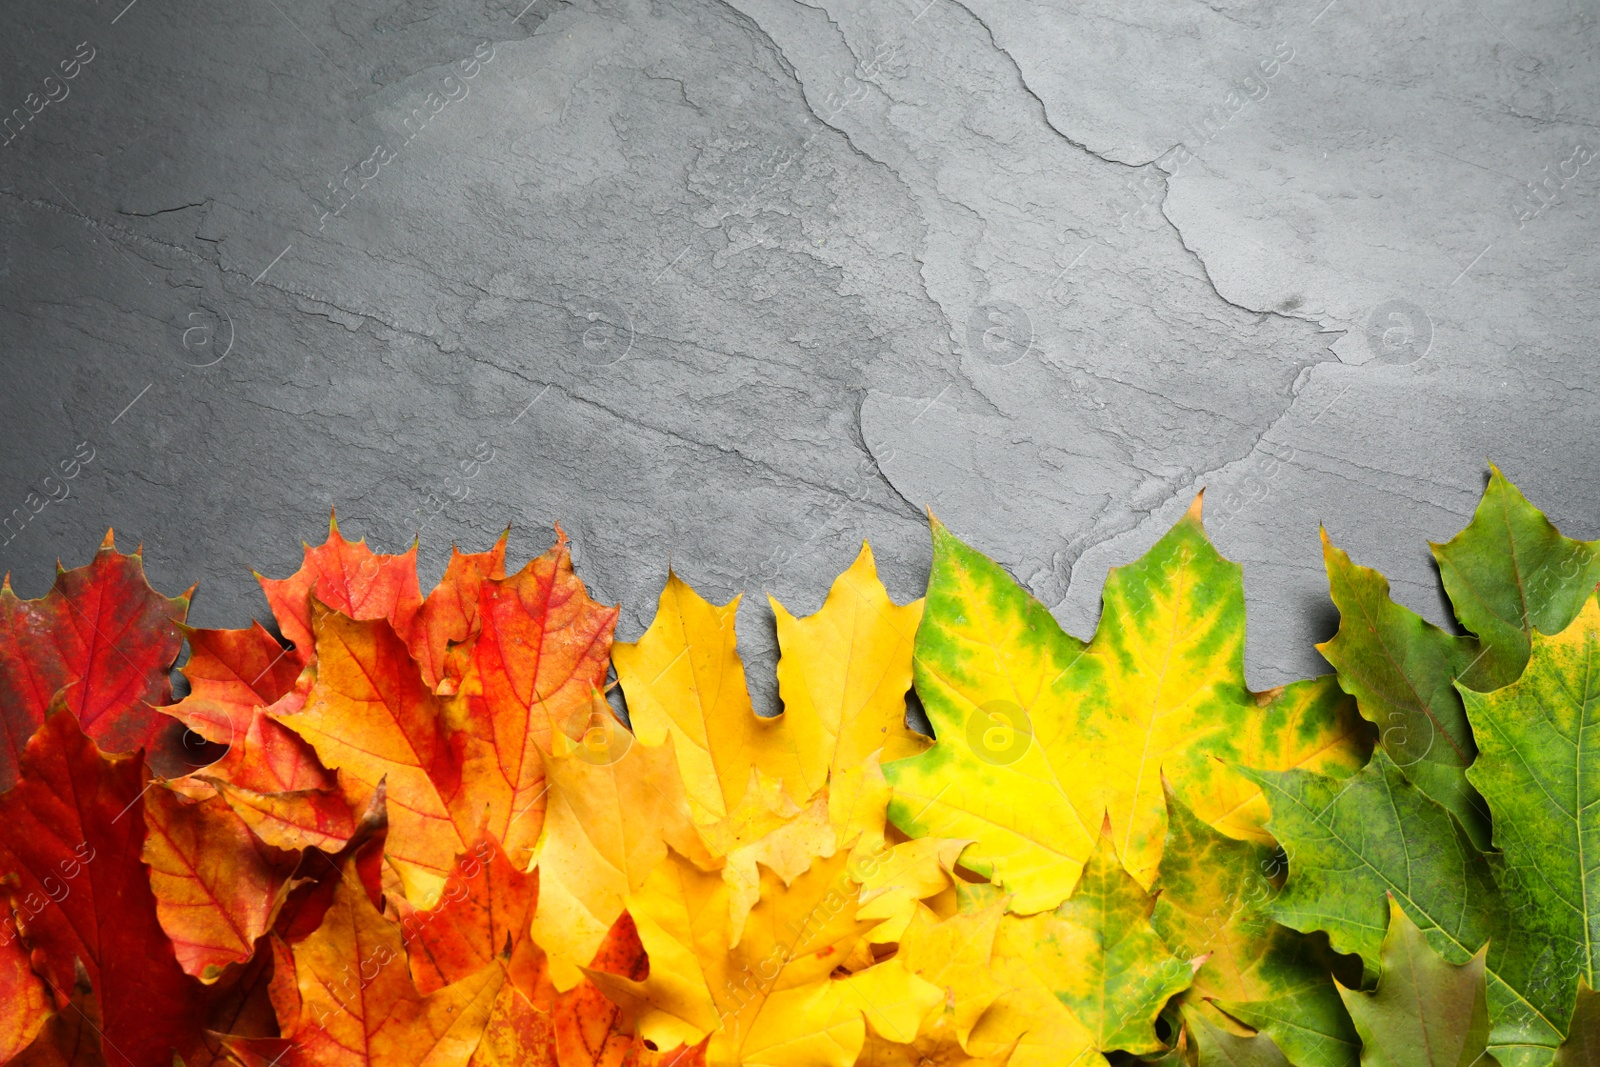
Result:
{"points": [[1582, 1046], [1214, 904], [1086, 978], [24, 1002], [71, 1037], [71, 831], [684, 679], [102, 635], [1352, 841], [353, 1003], [768, 999], [541, 652], [936, 1047], [843, 674], [1218, 1047], [955, 956], [217, 886], [1426, 1011], [579, 1027], [1510, 572], [483, 915], [348, 577], [608, 824], [449, 615], [370, 715], [1537, 763], [1401, 669], [895, 879], [238, 679], [1040, 737]]}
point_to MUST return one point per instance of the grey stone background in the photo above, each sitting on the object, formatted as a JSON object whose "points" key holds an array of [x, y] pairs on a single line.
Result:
{"points": [[732, 284]]}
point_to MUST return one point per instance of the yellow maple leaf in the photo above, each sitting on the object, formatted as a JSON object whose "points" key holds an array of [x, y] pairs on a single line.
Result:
{"points": [[684, 679], [769, 999], [609, 820], [843, 676]]}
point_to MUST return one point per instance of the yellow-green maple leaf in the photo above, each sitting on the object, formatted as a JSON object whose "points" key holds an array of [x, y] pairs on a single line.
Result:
{"points": [[1041, 737], [1088, 978]]}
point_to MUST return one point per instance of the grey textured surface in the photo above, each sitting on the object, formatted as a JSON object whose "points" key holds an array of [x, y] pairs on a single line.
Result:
{"points": [[776, 274]]}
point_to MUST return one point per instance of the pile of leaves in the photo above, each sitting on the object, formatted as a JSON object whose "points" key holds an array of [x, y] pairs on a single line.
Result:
{"points": [[407, 829]]}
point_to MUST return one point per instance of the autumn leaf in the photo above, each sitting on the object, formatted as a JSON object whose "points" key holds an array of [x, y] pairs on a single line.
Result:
{"points": [[609, 820], [349, 578], [1426, 1012], [1087, 978], [1214, 905], [71, 831], [955, 956], [25, 1003], [72, 1036], [1539, 758], [895, 879], [684, 679], [482, 916], [681, 916], [769, 998], [1041, 737], [935, 1047], [1351, 842], [540, 654], [356, 1005], [1312, 725], [371, 716], [230, 674], [449, 615], [217, 886], [1511, 572], [1401, 669], [579, 1027], [104, 636], [843, 675]]}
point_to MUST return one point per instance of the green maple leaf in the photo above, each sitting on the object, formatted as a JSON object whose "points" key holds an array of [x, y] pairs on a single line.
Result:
{"points": [[1401, 669], [1351, 842], [1511, 572], [1539, 769], [1215, 903], [1216, 1047], [1426, 1011]]}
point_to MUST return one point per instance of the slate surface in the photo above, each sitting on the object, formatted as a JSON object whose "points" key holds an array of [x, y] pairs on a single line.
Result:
{"points": [[728, 285]]}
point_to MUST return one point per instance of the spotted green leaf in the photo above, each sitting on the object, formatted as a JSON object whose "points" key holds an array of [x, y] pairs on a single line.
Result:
{"points": [[1214, 904], [1088, 977], [1511, 572], [1041, 738], [1351, 842], [1401, 669], [1426, 1011], [1539, 769]]}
